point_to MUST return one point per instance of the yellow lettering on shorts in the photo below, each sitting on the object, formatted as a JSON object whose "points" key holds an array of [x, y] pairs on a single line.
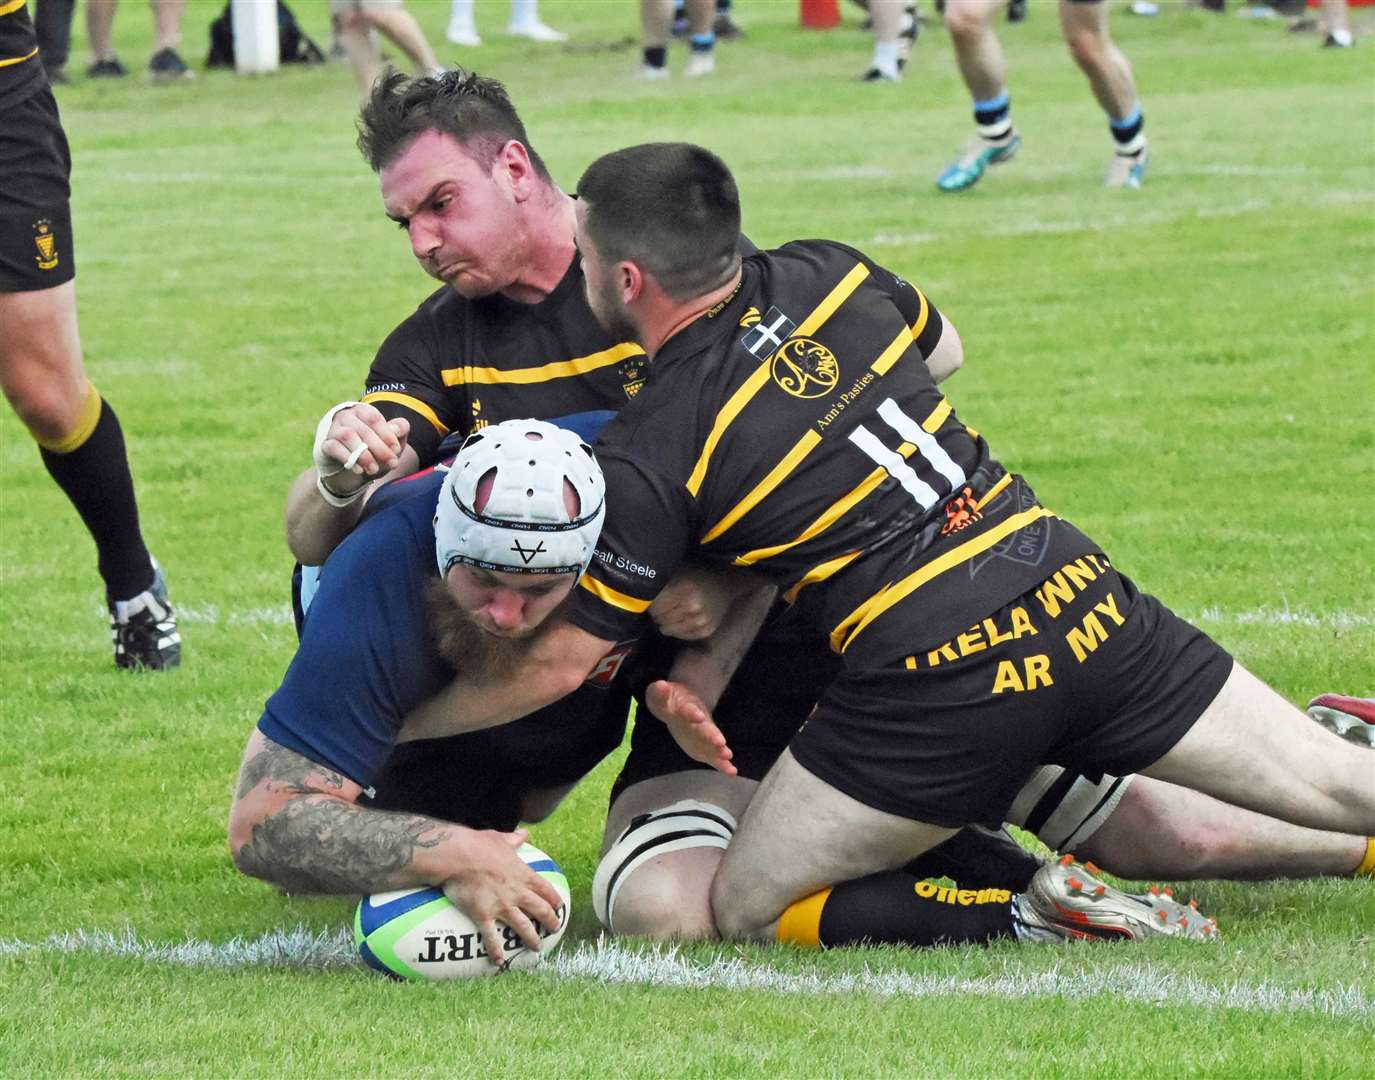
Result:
{"points": [[1035, 672], [971, 641], [1084, 640], [1067, 582], [1080, 574], [1038, 671], [995, 636], [1007, 677], [944, 652], [1053, 592], [1021, 623], [1109, 608]]}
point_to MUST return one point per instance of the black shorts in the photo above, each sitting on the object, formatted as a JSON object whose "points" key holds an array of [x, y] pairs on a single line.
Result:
{"points": [[35, 189], [1088, 674], [778, 683], [479, 779]]}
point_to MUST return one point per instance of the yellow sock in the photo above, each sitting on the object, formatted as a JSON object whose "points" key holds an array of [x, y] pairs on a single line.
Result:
{"points": [[85, 424], [801, 923], [1367, 867]]}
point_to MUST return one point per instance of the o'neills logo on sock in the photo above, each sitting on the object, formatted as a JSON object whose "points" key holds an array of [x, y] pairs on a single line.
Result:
{"points": [[46, 243], [943, 894]]}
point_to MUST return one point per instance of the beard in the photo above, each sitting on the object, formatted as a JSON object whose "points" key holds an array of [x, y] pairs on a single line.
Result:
{"points": [[610, 313], [479, 655]]}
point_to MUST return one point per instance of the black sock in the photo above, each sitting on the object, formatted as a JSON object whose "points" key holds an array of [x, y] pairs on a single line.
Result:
{"points": [[897, 908], [656, 56], [978, 858], [1126, 133], [95, 477], [993, 117]]}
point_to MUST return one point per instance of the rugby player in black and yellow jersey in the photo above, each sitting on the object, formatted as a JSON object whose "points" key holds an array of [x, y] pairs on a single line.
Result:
{"points": [[41, 369], [511, 334], [790, 426]]}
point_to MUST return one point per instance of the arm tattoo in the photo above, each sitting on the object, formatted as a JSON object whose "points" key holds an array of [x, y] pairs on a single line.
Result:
{"points": [[320, 843], [286, 768]]}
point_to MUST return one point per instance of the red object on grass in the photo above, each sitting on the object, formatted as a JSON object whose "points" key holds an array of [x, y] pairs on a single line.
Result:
{"points": [[820, 14]]}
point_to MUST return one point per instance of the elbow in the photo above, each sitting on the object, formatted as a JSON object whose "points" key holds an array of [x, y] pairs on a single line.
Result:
{"points": [[948, 355], [245, 818], [304, 541], [568, 679], [945, 363], [240, 833]]}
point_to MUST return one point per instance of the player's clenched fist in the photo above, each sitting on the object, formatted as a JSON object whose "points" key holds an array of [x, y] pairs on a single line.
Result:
{"points": [[354, 444]]}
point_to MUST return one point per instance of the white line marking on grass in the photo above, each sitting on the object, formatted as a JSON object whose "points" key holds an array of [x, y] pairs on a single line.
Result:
{"points": [[282, 948], [211, 615], [609, 961], [1285, 616], [904, 239], [1113, 220], [1221, 169], [276, 615]]}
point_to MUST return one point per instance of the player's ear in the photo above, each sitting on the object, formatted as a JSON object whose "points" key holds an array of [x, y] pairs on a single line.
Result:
{"points": [[514, 161], [630, 279]]}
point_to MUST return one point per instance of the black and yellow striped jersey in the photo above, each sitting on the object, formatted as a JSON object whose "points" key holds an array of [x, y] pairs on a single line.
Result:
{"points": [[457, 365], [794, 429], [21, 73]]}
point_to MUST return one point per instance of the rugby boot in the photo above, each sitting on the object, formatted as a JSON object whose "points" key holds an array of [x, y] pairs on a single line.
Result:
{"points": [[976, 155], [1067, 902], [724, 27], [1127, 170], [1353, 718], [699, 65], [144, 629]]}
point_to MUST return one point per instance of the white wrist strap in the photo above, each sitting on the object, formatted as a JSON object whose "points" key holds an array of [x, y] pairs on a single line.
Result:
{"points": [[326, 466], [337, 500]]}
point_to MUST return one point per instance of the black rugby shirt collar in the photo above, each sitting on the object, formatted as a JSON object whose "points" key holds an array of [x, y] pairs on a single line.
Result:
{"points": [[712, 325]]}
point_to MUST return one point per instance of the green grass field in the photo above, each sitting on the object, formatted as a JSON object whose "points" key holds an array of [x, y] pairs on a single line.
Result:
{"points": [[1187, 371]]}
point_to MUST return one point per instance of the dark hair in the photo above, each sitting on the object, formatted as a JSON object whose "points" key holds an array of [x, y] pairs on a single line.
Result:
{"points": [[474, 110], [671, 207]]}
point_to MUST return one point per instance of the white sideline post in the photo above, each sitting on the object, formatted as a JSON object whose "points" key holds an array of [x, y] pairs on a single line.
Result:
{"points": [[255, 36]]}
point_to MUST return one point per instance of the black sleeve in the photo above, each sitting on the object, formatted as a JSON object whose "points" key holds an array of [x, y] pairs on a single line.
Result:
{"points": [[921, 315], [650, 527], [405, 380]]}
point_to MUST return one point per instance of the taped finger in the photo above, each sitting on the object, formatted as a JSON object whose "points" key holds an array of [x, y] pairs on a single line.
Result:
{"points": [[358, 451]]}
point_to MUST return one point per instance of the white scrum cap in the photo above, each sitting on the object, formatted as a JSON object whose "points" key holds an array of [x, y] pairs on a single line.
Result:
{"points": [[524, 527]]}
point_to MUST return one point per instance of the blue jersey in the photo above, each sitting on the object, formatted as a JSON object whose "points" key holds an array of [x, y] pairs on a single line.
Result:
{"points": [[366, 658]]}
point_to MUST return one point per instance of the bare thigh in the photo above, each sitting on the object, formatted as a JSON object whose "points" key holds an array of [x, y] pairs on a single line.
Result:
{"points": [[800, 835], [1253, 749], [40, 359]]}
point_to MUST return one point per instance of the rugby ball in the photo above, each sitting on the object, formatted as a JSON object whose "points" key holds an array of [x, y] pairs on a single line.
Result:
{"points": [[420, 934]]}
